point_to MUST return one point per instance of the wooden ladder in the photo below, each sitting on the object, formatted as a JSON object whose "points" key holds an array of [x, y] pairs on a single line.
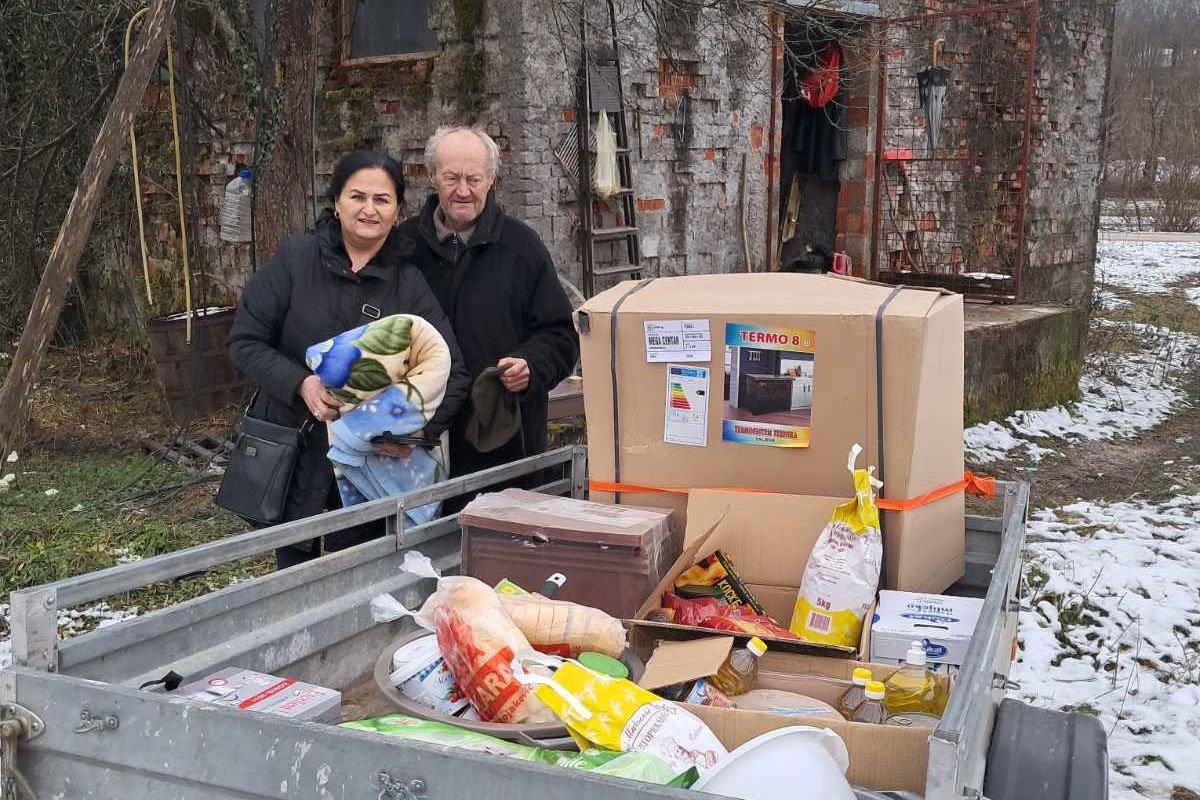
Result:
{"points": [[600, 91]]}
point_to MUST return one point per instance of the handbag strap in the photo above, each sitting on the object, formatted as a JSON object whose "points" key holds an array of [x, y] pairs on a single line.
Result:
{"points": [[306, 426]]}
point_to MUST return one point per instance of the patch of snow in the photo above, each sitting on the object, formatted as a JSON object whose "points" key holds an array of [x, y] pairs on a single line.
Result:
{"points": [[12, 457], [1109, 627], [1107, 301], [1193, 295], [124, 556], [1120, 396], [1146, 267], [991, 441], [51, 492]]}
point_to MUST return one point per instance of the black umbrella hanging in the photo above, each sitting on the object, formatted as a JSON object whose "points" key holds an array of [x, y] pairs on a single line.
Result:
{"points": [[931, 90]]}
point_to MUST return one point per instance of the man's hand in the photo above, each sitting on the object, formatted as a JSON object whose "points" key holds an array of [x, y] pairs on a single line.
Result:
{"points": [[393, 450], [516, 377], [321, 404]]}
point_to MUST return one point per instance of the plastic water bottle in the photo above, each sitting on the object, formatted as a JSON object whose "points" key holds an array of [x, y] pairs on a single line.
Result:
{"points": [[235, 211]]}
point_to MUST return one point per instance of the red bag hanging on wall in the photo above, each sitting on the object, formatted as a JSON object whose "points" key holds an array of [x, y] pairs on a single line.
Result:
{"points": [[820, 85]]}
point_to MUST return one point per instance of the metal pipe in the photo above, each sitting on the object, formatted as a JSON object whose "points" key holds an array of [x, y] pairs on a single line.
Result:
{"points": [[877, 178], [1023, 198], [775, 21], [977, 11], [126, 577]]}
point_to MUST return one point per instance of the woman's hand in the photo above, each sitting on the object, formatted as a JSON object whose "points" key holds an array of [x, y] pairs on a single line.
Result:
{"points": [[321, 404]]}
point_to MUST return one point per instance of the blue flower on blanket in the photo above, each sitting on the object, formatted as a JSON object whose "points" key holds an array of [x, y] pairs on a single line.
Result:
{"points": [[390, 411], [333, 367], [332, 359]]}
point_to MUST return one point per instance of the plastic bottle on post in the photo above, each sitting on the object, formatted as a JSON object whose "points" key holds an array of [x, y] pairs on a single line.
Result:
{"points": [[854, 696], [235, 210], [913, 688]]}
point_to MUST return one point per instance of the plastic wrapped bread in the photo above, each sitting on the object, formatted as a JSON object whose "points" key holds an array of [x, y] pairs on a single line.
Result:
{"points": [[560, 628], [478, 641]]}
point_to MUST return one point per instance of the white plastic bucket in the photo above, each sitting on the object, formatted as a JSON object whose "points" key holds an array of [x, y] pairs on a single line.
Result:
{"points": [[772, 766]]}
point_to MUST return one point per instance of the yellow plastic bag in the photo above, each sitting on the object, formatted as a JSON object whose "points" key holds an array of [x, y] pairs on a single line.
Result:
{"points": [[842, 573], [617, 714]]}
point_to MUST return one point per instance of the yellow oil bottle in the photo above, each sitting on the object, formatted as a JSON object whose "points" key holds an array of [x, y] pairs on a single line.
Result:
{"points": [[739, 673], [913, 688]]}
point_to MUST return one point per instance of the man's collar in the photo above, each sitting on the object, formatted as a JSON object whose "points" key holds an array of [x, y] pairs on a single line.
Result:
{"points": [[444, 232]]}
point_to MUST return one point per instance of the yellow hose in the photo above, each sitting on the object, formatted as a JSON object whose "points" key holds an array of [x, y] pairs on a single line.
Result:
{"points": [[137, 188]]}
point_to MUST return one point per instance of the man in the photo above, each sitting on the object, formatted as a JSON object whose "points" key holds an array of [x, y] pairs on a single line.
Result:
{"points": [[498, 285]]}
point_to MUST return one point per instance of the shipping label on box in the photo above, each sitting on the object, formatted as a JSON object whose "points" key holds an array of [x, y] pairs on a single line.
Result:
{"points": [[248, 690], [943, 624]]}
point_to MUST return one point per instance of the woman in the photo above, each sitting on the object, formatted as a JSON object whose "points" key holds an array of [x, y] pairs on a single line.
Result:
{"points": [[350, 270]]}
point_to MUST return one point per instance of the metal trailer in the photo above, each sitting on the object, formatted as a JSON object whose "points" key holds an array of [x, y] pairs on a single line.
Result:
{"points": [[75, 724]]}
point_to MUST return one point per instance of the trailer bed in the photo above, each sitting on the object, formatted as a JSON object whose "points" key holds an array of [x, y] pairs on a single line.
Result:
{"points": [[99, 736]]}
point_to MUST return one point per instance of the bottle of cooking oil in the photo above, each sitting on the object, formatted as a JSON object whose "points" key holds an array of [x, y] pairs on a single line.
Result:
{"points": [[913, 688], [739, 673], [854, 696], [871, 708]]}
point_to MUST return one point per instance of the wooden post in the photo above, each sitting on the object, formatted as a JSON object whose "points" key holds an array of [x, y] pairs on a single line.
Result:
{"points": [[72, 235]]}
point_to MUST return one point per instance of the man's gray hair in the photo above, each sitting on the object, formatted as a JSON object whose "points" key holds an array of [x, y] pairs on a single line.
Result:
{"points": [[489, 144]]}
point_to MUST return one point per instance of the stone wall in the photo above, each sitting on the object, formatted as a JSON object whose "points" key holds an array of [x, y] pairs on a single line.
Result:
{"points": [[699, 112], [962, 216], [1066, 161], [695, 105]]}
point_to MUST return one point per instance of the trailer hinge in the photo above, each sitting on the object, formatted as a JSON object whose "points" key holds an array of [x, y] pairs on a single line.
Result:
{"points": [[89, 722], [394, 789], [17, 724]]}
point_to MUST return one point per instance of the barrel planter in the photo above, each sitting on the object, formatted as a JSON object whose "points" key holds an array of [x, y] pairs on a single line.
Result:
{"points": [[198, 378]]}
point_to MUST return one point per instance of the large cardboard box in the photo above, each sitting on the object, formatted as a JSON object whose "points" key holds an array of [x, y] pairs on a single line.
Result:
{"points": [[768, 537], [882, 757], [729, 426]]}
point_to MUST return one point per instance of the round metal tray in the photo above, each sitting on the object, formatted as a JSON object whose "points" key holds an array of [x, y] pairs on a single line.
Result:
{"points": [[545, 735]]}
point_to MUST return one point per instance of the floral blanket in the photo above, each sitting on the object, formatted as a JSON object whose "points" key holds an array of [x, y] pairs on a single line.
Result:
{"points": [[390, 376]]}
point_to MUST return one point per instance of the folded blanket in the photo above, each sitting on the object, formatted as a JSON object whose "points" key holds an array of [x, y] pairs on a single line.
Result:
{"points": [[391, 377]]}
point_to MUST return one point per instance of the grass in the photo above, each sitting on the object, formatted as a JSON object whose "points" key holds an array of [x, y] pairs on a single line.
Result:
{"points": [[104, 506]]}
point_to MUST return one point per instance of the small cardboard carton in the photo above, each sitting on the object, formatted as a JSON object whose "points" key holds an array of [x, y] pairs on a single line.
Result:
{"points": [[766, 381], [768, 537], [943, 624], [248, 690], [882, 757]]}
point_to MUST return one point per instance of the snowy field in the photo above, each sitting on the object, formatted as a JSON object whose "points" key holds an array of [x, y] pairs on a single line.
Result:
{"points": [[1147, 267]]}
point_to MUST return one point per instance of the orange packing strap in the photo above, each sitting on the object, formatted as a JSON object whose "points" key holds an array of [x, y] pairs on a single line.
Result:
{"points": [[971, 483]]}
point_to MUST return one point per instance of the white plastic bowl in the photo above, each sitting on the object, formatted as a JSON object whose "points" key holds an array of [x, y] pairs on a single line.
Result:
{"points": [[796, 763]]}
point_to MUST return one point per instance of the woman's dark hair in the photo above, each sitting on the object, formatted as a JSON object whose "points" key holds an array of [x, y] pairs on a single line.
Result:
{"points": [[355, 160]]}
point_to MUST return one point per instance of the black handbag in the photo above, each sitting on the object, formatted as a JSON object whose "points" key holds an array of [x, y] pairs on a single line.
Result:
{"points": [[259, 473]]}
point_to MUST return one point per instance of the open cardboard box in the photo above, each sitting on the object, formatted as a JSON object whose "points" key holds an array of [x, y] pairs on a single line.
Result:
{"points": [[769, 538], [882, 757]]}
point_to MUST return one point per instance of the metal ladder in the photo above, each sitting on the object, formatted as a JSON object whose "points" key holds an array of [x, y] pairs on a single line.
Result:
{"points": [[600, 91]]}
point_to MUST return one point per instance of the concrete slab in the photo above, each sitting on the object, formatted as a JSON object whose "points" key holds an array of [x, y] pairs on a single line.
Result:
{"points": [[1021, 357]]}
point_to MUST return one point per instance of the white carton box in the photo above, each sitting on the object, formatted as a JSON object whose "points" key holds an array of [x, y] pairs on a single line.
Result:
{"points": [[943, 624], [256, 691]]}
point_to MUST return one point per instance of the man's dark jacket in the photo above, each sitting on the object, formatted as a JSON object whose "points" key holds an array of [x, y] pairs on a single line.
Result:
{"points": [[306, 293], [503, 298]]}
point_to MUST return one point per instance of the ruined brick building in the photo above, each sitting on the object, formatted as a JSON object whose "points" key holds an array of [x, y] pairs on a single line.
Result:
{"points": [[1004, 209]]}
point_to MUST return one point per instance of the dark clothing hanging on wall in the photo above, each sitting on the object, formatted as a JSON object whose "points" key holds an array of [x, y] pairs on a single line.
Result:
{"points": [[814, 139]]}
